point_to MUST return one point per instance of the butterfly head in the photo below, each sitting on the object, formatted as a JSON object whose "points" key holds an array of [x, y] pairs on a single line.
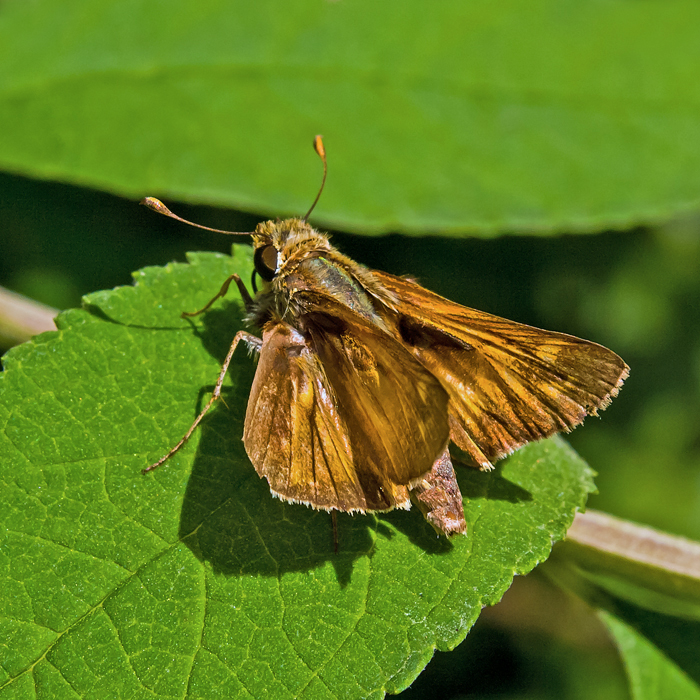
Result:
{"points": [[280, 245]]}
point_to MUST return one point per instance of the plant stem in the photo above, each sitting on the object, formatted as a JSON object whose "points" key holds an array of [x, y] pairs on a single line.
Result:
{"points": [[21, 318], [608, 546]]}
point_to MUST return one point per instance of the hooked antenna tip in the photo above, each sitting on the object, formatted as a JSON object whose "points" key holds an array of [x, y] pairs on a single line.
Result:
{"points": [[158, 206], [320, 149]]}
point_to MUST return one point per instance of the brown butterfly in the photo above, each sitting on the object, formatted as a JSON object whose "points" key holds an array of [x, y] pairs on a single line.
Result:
{"points": [[364, 378]]}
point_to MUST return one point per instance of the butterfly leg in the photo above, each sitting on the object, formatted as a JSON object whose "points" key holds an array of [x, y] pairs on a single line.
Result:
{"points": [[254, 343], [247, 299], [334, 521], [438, 497]]}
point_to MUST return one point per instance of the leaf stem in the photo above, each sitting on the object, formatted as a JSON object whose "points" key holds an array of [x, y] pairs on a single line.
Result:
{"points": [[638, 543], [612, 547]]}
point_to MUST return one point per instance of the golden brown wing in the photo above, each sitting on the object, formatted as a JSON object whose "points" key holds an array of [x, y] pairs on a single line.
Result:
{"points": [[508, 383], [342, 417]]}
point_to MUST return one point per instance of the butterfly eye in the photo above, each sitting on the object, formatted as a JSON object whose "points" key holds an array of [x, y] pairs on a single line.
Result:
{"points": [[265, 260]]}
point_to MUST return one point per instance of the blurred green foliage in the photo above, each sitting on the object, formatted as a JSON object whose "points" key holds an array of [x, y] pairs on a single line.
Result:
{"points": [[483, 117]]}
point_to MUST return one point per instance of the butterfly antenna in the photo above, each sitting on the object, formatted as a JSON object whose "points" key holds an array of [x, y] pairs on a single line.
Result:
{"points": [[157, 205], [318, 147]]}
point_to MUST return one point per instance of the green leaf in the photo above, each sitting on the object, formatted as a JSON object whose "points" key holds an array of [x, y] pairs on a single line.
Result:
{"points": [[474, 117], [193, 581], [652, 675]]}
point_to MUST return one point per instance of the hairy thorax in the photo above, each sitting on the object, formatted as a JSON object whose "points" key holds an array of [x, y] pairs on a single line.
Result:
{"points": [[309, 271]]}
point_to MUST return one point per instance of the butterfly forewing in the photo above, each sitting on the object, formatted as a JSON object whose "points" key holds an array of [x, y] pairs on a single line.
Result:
{"points": [[508, 383], [293, 433], [343, 420]]}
